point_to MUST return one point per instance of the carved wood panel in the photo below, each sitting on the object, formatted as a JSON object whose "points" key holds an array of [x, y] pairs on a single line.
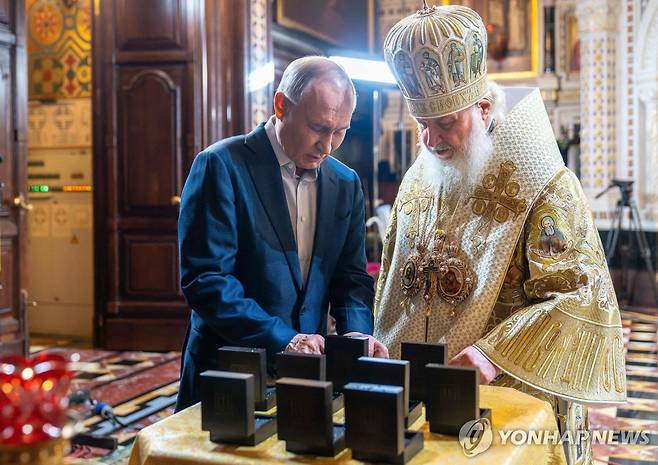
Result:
{"points": [[6, 128], [149, 24], [7, 296], [144, 334], [150, 140], [147, 267]]}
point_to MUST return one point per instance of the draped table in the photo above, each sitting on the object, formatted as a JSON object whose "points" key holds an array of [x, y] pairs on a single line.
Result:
{"points": [[178, 440]]}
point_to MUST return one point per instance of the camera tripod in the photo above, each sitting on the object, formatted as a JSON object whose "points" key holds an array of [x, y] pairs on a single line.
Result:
{"points": [[635, 227]]}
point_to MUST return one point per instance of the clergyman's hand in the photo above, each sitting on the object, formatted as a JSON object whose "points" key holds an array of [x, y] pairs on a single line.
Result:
{"points": [[306, 344], [471, 357], [375, 348]]}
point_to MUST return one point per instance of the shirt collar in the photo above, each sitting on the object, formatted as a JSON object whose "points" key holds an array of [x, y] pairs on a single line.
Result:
{"points": [[282, 158]]}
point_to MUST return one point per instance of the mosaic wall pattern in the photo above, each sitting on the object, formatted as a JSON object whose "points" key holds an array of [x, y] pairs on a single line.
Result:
{"points": [[598, 139], [59, 48], [598, 23]]}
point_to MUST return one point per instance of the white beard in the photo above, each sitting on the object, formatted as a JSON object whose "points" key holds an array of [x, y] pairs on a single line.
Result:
{"points": [[463, 171]]}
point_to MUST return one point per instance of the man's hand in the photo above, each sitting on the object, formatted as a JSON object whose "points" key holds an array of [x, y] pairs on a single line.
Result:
{"points": [[306, 344], [375, 348], [471, 357]]}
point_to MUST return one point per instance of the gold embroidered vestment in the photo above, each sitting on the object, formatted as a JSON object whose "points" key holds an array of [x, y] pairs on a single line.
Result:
{"points": [[542, 306]]}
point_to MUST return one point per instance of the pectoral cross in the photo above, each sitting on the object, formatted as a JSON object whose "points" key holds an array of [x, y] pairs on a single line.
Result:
{"points": [[430, 270], [495, 200]]}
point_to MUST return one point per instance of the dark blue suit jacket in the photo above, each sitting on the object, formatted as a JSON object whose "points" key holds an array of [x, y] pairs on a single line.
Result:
{"points": [[240, 271]]}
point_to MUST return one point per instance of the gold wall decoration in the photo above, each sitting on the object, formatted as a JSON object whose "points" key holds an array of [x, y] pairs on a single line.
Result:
{"points": [[512, 28], [573, 47]]}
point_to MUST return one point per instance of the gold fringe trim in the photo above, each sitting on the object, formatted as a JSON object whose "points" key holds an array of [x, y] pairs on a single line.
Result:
{"points": [[545, 347]]}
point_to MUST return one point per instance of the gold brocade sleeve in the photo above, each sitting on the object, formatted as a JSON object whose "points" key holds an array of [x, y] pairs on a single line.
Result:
{"points": [[566, 339], [387, 255]]}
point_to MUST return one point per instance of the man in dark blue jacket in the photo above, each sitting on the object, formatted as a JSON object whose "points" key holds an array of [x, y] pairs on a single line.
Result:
{"points": [[272, 231]]}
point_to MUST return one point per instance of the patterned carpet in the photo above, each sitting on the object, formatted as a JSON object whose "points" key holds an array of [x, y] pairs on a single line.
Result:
{"points": [[641, 411], [142, 387]]}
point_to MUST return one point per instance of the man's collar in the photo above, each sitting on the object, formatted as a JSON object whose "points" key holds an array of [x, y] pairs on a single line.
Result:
{"points": [[282, 158], [276, 145]]}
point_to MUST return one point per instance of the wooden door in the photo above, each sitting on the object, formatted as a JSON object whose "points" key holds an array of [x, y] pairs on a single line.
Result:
{"points": [[13, 164], [170, 77], [147, 130]]}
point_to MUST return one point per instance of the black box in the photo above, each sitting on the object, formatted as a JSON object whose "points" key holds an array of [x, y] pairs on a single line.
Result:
{"points": [[227, 409], [453, 398], [373, 370], [304, 415], [374, 424], [252, 361], [306, 366], [303, 366], [420, 354], [342, 352]]}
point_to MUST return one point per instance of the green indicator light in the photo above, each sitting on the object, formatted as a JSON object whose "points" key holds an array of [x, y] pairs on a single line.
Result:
{"points": [[44, 189]]}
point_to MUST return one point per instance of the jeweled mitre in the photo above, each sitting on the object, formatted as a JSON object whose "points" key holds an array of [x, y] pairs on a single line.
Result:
{"points": [[439, 58]]}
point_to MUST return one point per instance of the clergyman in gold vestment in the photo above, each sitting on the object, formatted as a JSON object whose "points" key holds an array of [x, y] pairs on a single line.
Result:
{"points": [[491, 247]]}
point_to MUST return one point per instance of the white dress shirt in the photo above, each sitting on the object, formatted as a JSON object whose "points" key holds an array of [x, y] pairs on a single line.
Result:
{"points": [[301, 196]]}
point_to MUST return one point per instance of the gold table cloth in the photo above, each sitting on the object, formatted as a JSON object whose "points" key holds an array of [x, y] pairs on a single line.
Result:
{"points": [[178, 440]]}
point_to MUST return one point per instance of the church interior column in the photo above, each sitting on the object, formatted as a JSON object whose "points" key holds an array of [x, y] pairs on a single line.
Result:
{"points": [[598, 22], [645, 62]]}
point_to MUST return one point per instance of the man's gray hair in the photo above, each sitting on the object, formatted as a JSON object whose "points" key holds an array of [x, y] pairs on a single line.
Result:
{"points": [[496, 95], [301, 72]]}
